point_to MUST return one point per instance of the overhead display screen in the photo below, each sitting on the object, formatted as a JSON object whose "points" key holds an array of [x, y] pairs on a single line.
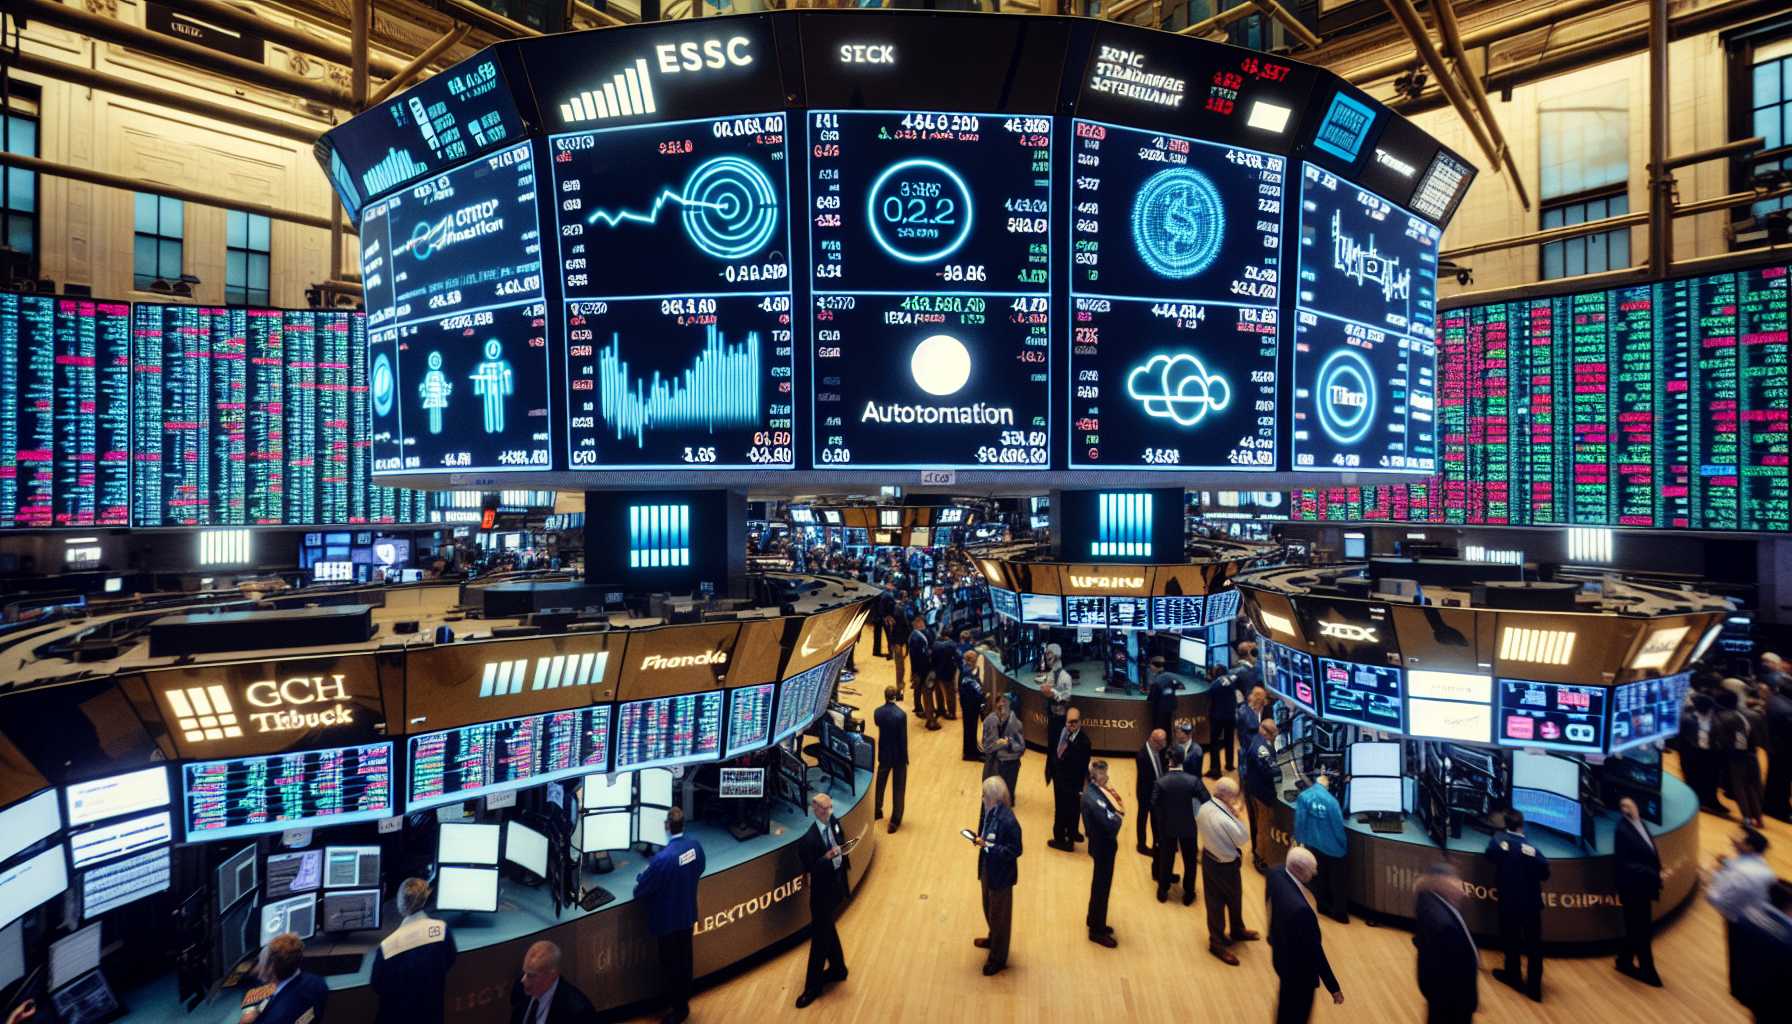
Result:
{"points": [[1366, 695], [428, 128], [680, 355], [1552, 716], [1129, 613], [64, 412], [798, 697], [930, 241], [1175, 275], [1086, 611], [750, 718], [453, 284], [249, 796], [685, 729], [493, 757], [1649, 710], [1178, 612], [1004, 602], [1683, 382], [1365, 341], [1289, 673]]}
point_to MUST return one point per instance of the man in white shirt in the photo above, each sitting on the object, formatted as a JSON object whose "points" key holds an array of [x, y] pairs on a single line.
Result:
{"points": [[1223, 837], [1740, 883]]}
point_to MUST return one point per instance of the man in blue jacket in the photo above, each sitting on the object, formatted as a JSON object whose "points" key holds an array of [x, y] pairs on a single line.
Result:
{"points": [[669, 888], [998, 849], [1260, 774], [299, 998], [1521, 871], [1319, 826], [410, 969]]}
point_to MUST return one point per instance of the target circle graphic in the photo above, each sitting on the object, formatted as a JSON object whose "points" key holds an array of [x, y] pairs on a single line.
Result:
{"points": [[1178, 223], [920, 210], [730, 208], [385, 385], [1345, 396]]}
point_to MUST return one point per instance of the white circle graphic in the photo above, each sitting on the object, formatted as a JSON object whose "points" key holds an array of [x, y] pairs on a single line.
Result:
{"points": [[941, 365]]}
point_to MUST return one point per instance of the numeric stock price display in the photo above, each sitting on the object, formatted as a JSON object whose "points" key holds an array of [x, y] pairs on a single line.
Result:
{"points": [[1175, 276], [680, 355], [930, 238]]}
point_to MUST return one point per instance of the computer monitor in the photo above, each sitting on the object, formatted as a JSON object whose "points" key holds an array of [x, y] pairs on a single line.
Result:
{"points": [[1550, 810], [607, 830], [1381, 759], [31, 819], [233, 936], [1375, 795], [120, 837], [99, 799], [616, 790], [741, 783], [74, 955], [352, 910], [656, 787], [291, 873], [127, 880], [351, 867], [86, 1000], [467, 844], [293, 914], [650, 826], [526, 848], [1192, 650], [236, 877], [468, 888], [1548, 773]]}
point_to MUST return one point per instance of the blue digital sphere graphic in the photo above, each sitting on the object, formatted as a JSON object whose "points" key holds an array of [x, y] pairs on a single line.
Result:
{"points": [[1344, 396], [385, 386], [730, 208], [919, 210], [1178, 223]]}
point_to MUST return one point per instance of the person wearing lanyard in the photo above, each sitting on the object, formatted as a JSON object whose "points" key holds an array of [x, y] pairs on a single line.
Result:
{"points": [[822, 851], [541, 996], [1222, 842]]}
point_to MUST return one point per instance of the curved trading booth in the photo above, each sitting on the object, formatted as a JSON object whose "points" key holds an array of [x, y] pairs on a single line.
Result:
{"points": [[1447, 691], [1116, 615], [239, 793]]}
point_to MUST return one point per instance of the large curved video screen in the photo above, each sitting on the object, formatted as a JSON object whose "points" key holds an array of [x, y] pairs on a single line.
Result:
{"points": [[838, 242]]}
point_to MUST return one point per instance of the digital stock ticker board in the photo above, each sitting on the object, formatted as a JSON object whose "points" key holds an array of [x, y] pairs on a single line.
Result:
{"points": [[789, 242]]}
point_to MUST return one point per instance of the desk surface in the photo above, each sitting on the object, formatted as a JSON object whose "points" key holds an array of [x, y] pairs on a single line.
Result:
{"points": [[1089, 679]]}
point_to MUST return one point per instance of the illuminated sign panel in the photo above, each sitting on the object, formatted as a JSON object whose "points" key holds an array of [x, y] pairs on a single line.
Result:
{"points": [[246, 707]]}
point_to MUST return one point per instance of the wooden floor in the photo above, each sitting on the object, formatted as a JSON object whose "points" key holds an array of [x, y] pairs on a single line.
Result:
{"points": [[907, 935]]}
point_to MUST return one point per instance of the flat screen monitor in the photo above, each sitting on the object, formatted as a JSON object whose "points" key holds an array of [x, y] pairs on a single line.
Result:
{"points": [[74, 955], [526, 848], [1449, 720], [234, 936], [1129, 613], [1558, 775], [332, 572], [750, 718], [1550, 810], [1177, 612], [461, 843], [289, 874], [498, 757], [99, 799], [473, 889], [236, 877], [682, 729], [1381, 759], [351, 867], [1551, 716], [1288, 673], [1221, 607], [796, 701], [1192, 650], [650, 826], [616, 790], [1086, 611], [120, 837], [1005, 602], [1371, 794], [294, 914], [607, 830], [1647, 710], [249, 796], [352, 910], [656, 787], [86, 1000], [118, 882], [1365, 695], [741, 783], [32, 819], [1043, 609]]}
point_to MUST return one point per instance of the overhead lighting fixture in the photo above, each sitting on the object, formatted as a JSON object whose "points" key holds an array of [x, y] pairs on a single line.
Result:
{"points": [[1660, 646], [1270, 117], [1279, 623], [1589, 544], [1537, 646]]}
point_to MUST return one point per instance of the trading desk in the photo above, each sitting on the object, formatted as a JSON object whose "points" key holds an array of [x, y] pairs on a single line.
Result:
{"points": [[1117, 721]]}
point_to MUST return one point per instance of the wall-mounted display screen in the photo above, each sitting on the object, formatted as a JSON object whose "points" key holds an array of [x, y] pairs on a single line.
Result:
{"points": [[1647, 710], [1288, 673], [1042, 609], [1222, 606], [1129, 613], [119, 838], [453, 278], [930, 242], [1554, 716], [682, 355], [797, 700], [1366, 695], [256, 795], [1174, 288], [99, 799], [118, 882], [31, 819], [1004, 602], [1365, 336], [685, 729], [750, 718], [1682, 378], [1086, 611], [493, 757], [1182, 612], [64, 412]]}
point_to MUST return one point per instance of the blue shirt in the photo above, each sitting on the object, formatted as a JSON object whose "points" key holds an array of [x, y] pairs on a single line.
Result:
{"points": [[1319, 822]]}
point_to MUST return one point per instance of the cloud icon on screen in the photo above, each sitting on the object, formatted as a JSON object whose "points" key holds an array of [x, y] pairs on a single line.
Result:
{"points": [[1178, 388]]}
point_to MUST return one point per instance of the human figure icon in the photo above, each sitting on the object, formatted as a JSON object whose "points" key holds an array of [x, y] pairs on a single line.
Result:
{"points": [[493, 381], [435, 390]]}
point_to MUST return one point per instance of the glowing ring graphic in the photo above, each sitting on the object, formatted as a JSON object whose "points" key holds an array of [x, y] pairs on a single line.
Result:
{"points": [[1340, 367], [1178, 388], [385, 385], [730, 208], [1178, 223], [423, 238], [875, 198]]}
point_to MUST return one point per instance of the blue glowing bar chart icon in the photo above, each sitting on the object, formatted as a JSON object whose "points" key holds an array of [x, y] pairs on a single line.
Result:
{"points": [[1123, 526], [397, 168], [659, 536]]}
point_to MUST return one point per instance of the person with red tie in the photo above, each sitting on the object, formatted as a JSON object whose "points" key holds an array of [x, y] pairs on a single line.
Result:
{"points": [[1151, 768], [1067, 769], [1103, 814], [1639, 883]]}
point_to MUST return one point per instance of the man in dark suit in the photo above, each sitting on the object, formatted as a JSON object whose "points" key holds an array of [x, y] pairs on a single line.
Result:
{"points": [[999, 846], [1151, 768], [1160, 694], [1449, 962], [1102, 815], [1296, 950], [542, 996], [944, 672], [821, 849], [1067, 770], [920, 659], [1639, 883], [1177, 799], [299, 998], [410, 969], [1260, 776], [1521, 872], [1247, 715], [1761, 947], [892, 754], [668, 887], [1222, 703], [970, 705]]}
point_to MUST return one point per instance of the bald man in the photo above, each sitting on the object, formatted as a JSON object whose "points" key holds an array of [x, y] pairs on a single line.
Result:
{"points": [[1295, 947], [822, 849], [542, 996]]}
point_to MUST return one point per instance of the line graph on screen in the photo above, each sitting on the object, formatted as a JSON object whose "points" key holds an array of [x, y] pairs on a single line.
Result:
{"points": [[720, 389], [728, 207]]}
